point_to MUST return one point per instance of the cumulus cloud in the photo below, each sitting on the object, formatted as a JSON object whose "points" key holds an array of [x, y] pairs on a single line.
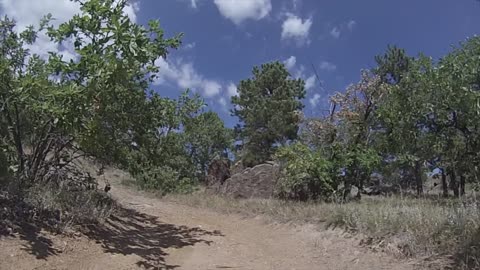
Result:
{"points": [[310, 82], [351, 24], [294, 27], [224, 99], [239, 11], [232, 90], [295, 4], [193, 3], [325, 65], [184, 76], [211, 88], [190, 46], [335, 32], [314, 100], [223, 102], [27, 12], [290, 62], [299, 72]]}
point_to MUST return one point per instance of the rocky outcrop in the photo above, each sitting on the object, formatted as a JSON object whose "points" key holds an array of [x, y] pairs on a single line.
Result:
{"points": [[218, 171], [237, 167], [256, 182]]}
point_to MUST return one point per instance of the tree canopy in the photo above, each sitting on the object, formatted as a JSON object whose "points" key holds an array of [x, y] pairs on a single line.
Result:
{"points": [[404, 117], [268, 106]]}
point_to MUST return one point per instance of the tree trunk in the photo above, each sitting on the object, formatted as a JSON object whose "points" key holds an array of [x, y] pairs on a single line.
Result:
{"points": [[347, 185], [360, 186], [444, 184], [346, 191], [16, 136], [462, 185], [418, 178], [453, 183]]}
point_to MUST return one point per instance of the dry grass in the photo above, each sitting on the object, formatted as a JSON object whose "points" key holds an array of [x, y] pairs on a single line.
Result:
{"points": [[51, 208], [423, 228], [75, 208]]}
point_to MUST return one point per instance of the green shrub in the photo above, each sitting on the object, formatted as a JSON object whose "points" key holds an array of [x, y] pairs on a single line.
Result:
{"points": [[164, 179], [305, 174]]}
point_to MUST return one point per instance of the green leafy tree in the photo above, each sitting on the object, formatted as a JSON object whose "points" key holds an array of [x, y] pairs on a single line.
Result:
{"points": [[408, 115], [403, 117], [454, 117], [207, 138], [159, 157], [95, 103], [115, 66], [30, 103], [268, 107], [356, 127], [393, 65]]}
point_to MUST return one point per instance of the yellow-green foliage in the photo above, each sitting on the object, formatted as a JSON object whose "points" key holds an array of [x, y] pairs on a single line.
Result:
{"points": [[306, 174]]}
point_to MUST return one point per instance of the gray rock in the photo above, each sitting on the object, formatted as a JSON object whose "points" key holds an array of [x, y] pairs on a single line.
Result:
{"points": [[256, 182]]}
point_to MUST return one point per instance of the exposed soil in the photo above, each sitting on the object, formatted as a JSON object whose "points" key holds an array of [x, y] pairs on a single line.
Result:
{"points": [[153, 234]]}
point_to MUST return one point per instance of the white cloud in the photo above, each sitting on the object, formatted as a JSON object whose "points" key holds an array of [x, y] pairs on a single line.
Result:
{"points": [[193, 3], [310, 82], [185, 76], [325, 65], [290, 62], [132, 9], [223, 102], [300, 72], [293, 27], [239, 11], [295, 4], [232, 90], [27, 12], [190, 46], [189, 78], [335, 32], [315, 100], [211, 88], [351, 24]]}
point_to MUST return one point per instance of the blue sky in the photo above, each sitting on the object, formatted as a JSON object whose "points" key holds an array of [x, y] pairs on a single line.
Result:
{"points": [[342, 37], [224, 39]]}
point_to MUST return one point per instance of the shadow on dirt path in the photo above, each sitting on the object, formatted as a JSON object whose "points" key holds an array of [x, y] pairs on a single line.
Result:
{"points": [[36, 244], [133, 233], [18, 216]]}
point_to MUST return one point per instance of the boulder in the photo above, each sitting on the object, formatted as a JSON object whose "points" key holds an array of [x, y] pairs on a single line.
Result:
{"points": [[218, 171], [384, 190], [256, 182], [237, 168]]}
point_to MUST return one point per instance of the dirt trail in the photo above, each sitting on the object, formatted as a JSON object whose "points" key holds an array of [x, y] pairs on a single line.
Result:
{"points": [[153, 234]]}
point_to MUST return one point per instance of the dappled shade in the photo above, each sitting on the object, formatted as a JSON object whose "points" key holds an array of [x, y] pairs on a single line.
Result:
{"points": [[134, 233]]}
